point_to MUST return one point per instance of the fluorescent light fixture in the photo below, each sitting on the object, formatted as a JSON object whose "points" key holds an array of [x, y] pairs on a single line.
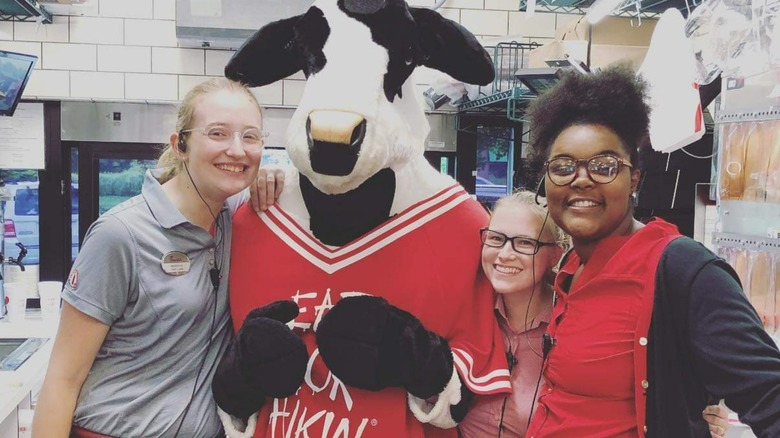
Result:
{"points": [[539, 80], [600, 9]]}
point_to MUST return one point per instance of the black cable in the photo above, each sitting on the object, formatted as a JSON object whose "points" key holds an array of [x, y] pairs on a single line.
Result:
{"points": [[510, 356], [533, 400], [533, 274], [202, 362], [214, 276], [213, 216], [501, 418], [541, 369]]}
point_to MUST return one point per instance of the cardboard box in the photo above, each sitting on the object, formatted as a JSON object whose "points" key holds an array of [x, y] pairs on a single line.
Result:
{"points": [[611, 40]]}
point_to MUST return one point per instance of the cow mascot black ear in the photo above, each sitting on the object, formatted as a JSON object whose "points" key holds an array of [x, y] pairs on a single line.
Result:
{"points": [[452, 49], [391, 326], [267, 56]]}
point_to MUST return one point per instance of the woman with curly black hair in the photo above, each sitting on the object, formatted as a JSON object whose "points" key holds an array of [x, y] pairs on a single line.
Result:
{"points": [[649, 327]]}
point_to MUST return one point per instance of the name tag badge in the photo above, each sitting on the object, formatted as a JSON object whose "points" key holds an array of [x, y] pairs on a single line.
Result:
{"points": [[175, 263]]}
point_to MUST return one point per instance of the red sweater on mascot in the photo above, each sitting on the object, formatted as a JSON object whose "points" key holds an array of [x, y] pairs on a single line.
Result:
{"points": [[359, 303]]}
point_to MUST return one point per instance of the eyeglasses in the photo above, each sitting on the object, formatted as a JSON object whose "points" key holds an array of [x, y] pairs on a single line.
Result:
{"points": [[601, 169], [252, 139], [521, 244]]}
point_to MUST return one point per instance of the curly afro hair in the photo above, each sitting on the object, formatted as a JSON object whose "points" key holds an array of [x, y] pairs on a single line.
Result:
{"points": [[614, 97]]}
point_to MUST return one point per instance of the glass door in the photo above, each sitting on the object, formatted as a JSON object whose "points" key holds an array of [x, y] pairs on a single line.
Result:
{"points": [[495, 161], [102, 176]]}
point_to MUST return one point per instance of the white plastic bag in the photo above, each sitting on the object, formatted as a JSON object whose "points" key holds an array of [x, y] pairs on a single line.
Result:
{"points": [[676, 118]]}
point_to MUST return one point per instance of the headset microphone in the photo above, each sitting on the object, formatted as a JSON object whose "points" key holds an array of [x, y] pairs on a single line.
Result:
{"points": [[511, 360], [548, 342], [214, 275]]}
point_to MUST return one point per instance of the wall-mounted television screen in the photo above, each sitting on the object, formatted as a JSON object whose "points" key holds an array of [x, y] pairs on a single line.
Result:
{"points": [[15, 70]]}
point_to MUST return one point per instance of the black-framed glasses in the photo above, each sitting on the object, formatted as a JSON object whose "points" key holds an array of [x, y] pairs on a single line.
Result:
{"points": [[521, 244], [601, 169], [251, 139]]}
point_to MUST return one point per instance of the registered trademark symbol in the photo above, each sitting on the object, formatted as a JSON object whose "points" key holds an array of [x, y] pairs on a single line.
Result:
{"points": [[374, 422]]}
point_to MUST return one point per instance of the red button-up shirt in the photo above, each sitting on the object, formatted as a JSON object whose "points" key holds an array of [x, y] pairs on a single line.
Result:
{"points": [[591, 377]]}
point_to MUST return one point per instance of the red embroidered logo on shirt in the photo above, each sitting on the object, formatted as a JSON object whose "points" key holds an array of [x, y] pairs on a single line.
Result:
{"points": [[73, 279]]}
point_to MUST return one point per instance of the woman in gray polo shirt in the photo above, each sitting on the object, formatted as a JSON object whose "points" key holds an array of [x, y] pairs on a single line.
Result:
{"points": [[146, 317]]}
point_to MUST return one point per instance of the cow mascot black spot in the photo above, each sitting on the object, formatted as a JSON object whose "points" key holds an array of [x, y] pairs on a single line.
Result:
{"points": [[359, 303]]}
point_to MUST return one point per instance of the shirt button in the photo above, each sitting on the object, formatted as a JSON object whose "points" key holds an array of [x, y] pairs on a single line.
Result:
{"points": [[645, 429], [643, 341], [211, 250], [645, 384], [211, 262]]}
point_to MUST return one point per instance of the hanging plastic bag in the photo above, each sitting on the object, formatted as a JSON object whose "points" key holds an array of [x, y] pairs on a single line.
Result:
{"points": [[760, 269], [444, 89], [676, 119], [756, 160], [741, 264], [774, 277], [773, 33], [731, 179], [698, 29], [726, 37], [773, 162]]}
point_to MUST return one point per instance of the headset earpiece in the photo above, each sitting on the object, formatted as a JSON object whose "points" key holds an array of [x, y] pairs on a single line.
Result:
{"points": [[182, 145], [540, 192]]}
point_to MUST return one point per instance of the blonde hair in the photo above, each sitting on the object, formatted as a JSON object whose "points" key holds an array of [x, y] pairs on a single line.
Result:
{"points": [[169, 161], [528, 199]]}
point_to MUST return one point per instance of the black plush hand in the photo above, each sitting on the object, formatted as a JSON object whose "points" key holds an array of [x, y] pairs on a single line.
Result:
{"points": [[265, 360], [369, 344]]}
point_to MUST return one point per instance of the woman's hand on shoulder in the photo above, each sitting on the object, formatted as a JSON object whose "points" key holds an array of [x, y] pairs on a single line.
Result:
{"points": [[717, 418], [266, 189]]}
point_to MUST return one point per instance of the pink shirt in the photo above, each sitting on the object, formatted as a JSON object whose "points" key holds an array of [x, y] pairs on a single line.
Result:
{"points": [[484, 416]]}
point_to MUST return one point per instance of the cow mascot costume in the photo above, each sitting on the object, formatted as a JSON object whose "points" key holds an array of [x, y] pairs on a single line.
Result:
{"points": [[358, 300]]}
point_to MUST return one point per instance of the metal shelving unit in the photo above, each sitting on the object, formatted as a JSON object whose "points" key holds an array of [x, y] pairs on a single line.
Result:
{"points": [[748, 227], [23, 10], [746, 241], [506, 96]]}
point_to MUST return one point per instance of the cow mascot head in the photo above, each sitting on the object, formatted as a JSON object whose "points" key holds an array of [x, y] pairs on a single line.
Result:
{"points": [[358, 300]]}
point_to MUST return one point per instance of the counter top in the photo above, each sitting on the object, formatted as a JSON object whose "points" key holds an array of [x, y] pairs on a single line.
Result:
{"points": [[16, 385]]}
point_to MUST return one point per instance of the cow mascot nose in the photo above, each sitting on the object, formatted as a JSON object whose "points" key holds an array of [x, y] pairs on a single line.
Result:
{"points": [[334, 140]]}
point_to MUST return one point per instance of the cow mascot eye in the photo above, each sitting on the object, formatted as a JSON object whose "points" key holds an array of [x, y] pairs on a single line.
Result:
{"points": [[410, 55]]}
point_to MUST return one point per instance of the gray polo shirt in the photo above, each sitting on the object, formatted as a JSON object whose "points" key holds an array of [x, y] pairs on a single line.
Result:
{"points": [[144, 373]]}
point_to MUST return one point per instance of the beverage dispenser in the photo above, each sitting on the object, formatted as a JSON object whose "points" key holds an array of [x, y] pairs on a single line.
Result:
{"points": [[5, 195]]}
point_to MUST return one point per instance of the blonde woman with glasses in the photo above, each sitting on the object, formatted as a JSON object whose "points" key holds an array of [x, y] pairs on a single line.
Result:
{"points": [[145, 318]]}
